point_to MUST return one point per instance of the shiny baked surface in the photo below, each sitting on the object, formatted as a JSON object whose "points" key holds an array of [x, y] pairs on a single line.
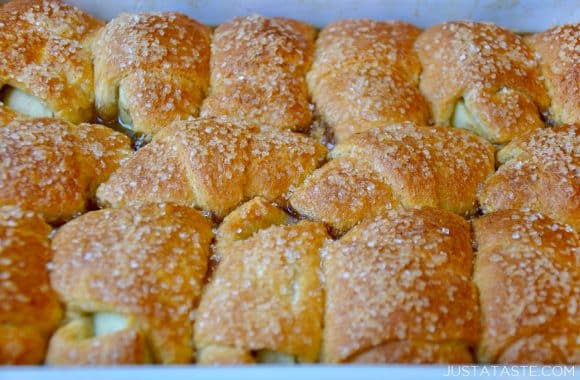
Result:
{"points": [[265, 192]]}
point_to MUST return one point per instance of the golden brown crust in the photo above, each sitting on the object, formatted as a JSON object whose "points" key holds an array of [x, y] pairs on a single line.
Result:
{"points": [[145, 263], [265, 295], [527, 272], [152, 68], [398, 164], [74, 345], [258, 69], [53, 167], [7, 115], [214, 165], [254, 215], [539, 172], [490, 69], [398, 288], [29, 311], [44, 45], [559, 55], [366, 74]]}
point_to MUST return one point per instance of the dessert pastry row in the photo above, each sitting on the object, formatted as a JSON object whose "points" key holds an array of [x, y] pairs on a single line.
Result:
{"points": [[150, 69], [398, 287], [60, 170]]}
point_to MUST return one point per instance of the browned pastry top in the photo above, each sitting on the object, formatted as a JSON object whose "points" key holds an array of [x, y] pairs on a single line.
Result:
{"points": [[53, 167], [146, 262], [396, 165], [214, 165], [366, 74], [161, 60], [491, 68], [527, 272], [540, 171], [266, 294], [342, 42], [258, 69], [43, 45], [558, 50], [403, 276], [29, 310]]}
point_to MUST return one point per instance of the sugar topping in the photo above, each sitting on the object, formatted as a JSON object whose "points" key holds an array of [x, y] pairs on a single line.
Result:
{"points": [[531, 262], [44, 54], [48, 162], [397, 277], [216, 165], [365, 74], [258, 66]]}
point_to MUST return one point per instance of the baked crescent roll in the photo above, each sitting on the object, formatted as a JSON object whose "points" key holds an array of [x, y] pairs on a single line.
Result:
{"points": [[53, 167], [527, 270], [540, 171], [45, 62], [264, 301], [151, 69], [559, 54], [29, 311], [366, 74], [388, 166], [481, 77], [399, 290], [258, 69], [131, 279], [213, 165]]}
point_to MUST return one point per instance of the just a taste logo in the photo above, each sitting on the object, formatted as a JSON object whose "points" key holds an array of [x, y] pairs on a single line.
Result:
{"points": [[510, 370]]}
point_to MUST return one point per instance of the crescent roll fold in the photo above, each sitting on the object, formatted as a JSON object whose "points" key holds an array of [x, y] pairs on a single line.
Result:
{"points": [[45, 62], [53, 167], [258, 69], [399, 290], [29, 311], [214, 165], [540, 171], [264, 301], [558, 50], [151, 69], [366, 74], [388, 166], [481, 77], [131, 279], [527, 272]]}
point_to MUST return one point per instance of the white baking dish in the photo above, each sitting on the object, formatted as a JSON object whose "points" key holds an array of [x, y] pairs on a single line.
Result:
{"points": [[523, 16]]}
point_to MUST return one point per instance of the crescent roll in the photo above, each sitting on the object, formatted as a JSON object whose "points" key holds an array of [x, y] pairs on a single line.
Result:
{"points": [[258, 69], [131, 279], [151, 69], [53, 167], [388, 166], [29, 311], [366, 74], [481, 77], [213, 165], [45, 63], [558, 50], [527, 270], [264, 301], [399, 290], [540, 171]]}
